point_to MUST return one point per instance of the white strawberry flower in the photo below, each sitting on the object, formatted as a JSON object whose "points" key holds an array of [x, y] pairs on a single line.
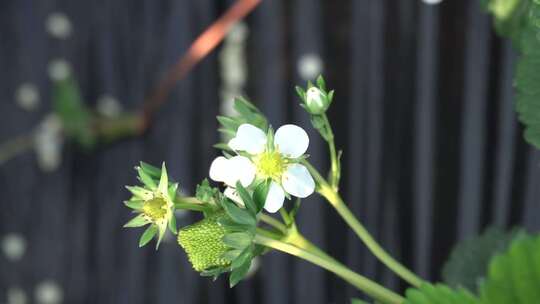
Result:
{"points": [[277, 161]]}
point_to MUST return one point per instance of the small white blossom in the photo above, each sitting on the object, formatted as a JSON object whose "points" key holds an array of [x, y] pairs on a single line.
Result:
{"points": [[277, 161]]}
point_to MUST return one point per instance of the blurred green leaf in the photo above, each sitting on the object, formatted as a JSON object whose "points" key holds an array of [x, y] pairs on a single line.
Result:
{"points": [[75, 116], [469, 260]]}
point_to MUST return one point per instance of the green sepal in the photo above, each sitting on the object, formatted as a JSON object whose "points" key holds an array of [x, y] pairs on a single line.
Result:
{"points": [[137, 221], [238, 240], [260, 193], [146, 179], [172, 191], [301, 93], [246, 198], [205, 193], [140, 192], [163, 185], [148, 235], [321, 83], [134, 204], [154, 172], [239, 273], [232, 226], [172, 224], [240, 216], [231, 255]]}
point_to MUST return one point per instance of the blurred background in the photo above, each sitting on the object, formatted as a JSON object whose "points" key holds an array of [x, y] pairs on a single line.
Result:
{"points": [[423, 111]]}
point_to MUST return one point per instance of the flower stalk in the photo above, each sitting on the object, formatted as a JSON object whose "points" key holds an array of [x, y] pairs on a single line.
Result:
{"points": [[362, 283], [333, 197]]}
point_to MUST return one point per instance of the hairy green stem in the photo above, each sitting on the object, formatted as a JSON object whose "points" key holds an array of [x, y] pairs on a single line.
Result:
{"points": [[333, 197], [371, 288]]}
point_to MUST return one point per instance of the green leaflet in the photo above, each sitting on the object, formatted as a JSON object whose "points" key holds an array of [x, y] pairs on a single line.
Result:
{"points": [[439, 294], [514, 277], [469, 260]]}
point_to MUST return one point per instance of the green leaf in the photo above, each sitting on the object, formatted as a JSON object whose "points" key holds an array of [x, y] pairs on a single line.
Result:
{"points": [[238, 240], [137, 221], [469, 260], [147, 236], [514, 277], [240, 216], [438, 294], [519, 20], [246, 198], [358, 301]]}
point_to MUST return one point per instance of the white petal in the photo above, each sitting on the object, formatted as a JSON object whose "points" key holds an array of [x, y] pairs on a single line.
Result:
{"points": [[241, 169], [219, 169], [249, 138], [291, 141], [297, 181], [274, 198], [232, 194]]}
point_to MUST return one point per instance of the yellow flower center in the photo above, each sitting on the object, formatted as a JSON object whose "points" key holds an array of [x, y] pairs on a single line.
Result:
{"points": [[270, 165], [155, 209]]}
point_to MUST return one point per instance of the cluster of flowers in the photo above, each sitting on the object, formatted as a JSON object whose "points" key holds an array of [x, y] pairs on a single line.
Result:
{"points": [[259, 169]]}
